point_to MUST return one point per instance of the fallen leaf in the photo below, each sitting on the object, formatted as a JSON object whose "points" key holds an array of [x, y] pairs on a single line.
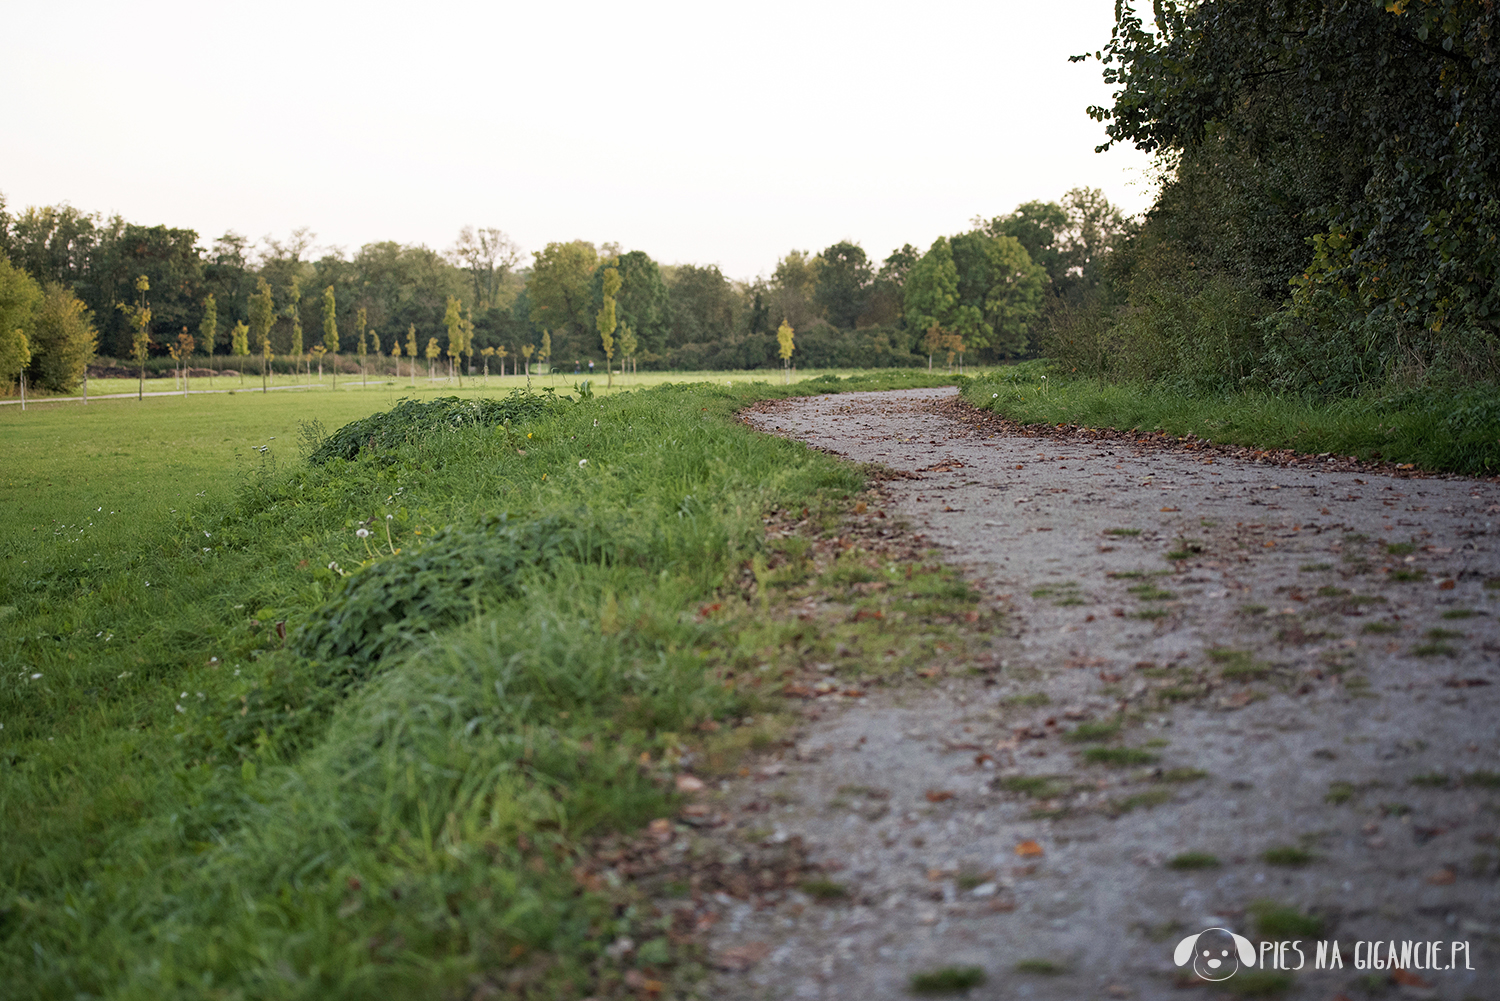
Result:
{"points": [[739, 958], [689, 783], [793, 690], [1169, 509], [938, 795], [860, 507], [1443, 877], [1029, 849], [1447, 585], [1408, 979]]}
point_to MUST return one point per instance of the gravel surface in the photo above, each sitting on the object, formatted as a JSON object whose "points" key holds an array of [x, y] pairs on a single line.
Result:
{"points": [[1278, 686]]}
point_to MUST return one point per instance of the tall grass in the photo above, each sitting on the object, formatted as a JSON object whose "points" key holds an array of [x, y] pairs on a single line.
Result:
{"points": [[193, 808]]}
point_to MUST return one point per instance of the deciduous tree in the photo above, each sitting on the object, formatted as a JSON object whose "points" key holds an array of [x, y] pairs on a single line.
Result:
{"points": [[785, 346], [331, 330], [63, 339], [262, 316], [605, 322]]}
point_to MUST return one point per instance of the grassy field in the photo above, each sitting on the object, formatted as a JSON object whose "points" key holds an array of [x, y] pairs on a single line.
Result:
{"points": [[1432, 429], [561, 381], [253, 746]]}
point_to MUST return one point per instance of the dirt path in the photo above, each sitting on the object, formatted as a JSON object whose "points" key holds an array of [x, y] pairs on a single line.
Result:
{"points": [[1278, 686]]}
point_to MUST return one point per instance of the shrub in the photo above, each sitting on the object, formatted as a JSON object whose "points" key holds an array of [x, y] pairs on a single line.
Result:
{"points": [[412, 421]]}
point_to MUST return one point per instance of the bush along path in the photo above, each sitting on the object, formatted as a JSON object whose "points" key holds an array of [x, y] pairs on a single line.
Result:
{"points": [[1225, 692]]}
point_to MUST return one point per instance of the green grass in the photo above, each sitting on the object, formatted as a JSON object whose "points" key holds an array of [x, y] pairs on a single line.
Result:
{"points": [[1287, 855], [1194, 860], [1339, 793], [1085, 732], [1278, 921], [947, 980], [1430, 428], [1043, 967], [198, 800], [1147, 800], [1035, 786], [1459, 613], [1118, 756], [824, 889], [1380, 628], [1123, 532]]}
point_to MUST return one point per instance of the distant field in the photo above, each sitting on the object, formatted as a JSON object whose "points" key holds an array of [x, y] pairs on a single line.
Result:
{"points": [[116, 468], [347, 383]]}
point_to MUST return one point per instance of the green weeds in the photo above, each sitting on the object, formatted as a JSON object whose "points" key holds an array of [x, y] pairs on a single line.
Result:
{"points": [[1194, 860], [947, 980]]}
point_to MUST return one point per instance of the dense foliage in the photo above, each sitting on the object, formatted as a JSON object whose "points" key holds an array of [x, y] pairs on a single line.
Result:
{"points": [[1329, 218]]}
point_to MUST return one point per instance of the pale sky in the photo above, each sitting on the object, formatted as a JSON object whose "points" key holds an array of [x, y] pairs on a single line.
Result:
{"points": [[697, 132]]}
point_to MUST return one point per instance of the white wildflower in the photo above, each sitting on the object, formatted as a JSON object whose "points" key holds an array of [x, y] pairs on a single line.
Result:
{"points": [[363, 533], [582, 463]]}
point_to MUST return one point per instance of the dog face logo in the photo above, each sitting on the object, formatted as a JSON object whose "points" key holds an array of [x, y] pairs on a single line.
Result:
{"points": [[1216, 953]]}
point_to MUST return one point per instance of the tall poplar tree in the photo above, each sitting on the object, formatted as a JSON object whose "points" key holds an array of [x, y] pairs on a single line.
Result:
{"points": [[606, 322], [453, 319], [208, 329], [262, 315], [360, 321], [331, 331], [239, 344]]}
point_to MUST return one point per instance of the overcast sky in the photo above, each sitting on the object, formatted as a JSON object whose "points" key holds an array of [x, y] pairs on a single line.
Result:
{"points": [[698, 132]]}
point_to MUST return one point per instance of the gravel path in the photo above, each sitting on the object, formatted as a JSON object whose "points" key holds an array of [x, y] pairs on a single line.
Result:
{"points": [[1278, 686]]}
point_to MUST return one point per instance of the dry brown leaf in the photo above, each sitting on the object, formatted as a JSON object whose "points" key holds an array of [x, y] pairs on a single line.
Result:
{"points": [[1029, 849], [1443, 877], [1408, 979], [939, 795], [739, 958]]}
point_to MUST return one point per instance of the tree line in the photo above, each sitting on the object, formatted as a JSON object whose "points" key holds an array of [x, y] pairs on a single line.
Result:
{"points": [[1328, 221], [73, 283]]}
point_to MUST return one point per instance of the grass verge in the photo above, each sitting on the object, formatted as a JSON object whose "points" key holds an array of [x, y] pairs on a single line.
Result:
{"points": [[258, 748], [1451, 432]]}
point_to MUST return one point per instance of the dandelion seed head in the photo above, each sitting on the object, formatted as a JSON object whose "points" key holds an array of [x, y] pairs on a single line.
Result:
{"points": [[582, 463], [36, 676], [363, 533]]}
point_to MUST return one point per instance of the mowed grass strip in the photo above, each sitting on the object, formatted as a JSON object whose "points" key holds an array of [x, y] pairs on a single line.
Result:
{"points": [[193, 808]]}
